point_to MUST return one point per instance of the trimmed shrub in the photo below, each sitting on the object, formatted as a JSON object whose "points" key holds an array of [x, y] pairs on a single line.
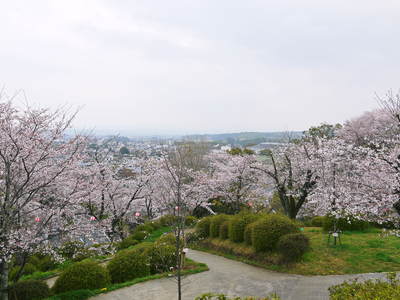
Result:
{"points": [[215, 223], [128, 265], [248, 234], [345, 224], [27, 270], [267, 231], [367, 290], [84, 253], [318, 221], [192, 237], [167, 220], [168, 238], [190, 221], [223, 230], [292, 246], [29, 290], [203, 227], [138, 235], [162, 257], [238, 224], [82, 275], [126, 243]]}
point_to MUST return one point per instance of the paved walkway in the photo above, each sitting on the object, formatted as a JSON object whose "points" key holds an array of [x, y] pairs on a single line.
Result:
{"points": [[235, 279]]}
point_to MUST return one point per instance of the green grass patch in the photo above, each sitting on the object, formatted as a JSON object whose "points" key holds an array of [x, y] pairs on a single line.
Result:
{"points": [[157, 233], [359, 252]]}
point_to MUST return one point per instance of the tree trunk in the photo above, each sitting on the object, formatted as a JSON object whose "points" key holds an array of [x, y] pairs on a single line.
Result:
{"points": [[3, 281]]}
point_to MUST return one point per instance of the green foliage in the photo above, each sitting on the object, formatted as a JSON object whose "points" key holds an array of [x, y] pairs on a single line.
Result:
{"points": [[162, 257], [267, 231], [29, 290], [368, 290], [69, 249], [127, 242], [190, 221], [318, 221], [144, 227], [74, 295], [248, 234], [215, 223], [27, 270], [82, 275], [224, 297], [223, 230], [83, 253], [139, 235], [292, 246], [128, 265], [345, 224], [46, 263], [167, 220], [169, 239], [203, 227], [238, 224], [240, 151]]}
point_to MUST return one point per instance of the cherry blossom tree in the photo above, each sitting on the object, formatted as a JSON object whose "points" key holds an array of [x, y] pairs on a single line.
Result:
{"points": [[291, 169], [115, 196], [233, 179], [39, 186]]}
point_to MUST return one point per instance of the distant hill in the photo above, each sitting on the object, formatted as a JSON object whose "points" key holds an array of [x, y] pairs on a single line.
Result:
{"points": [[245, 138]]}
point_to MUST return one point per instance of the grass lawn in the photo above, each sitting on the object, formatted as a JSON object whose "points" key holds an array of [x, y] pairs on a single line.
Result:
{"points": [[360, 252]]}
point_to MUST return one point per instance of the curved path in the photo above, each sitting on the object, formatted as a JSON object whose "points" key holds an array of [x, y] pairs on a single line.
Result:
{"points": [[234, 279]]}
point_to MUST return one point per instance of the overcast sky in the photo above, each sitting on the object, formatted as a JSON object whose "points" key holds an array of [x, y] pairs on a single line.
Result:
{"points": [[197, 66]]}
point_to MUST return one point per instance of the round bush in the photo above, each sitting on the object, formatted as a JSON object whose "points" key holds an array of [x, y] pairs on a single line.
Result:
{"points": [[128, 265], [223, 230], [168, 238], [292, 246], [237, 226], [203, 227], [126, 243], [162, 257], [190, 221], [248, 234], [167, 220], [139, 235], [215, 223], [29, 290], [267, 231], [82, 275]]}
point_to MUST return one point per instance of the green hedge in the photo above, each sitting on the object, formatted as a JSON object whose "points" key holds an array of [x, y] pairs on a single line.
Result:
{"points": [[128, 265], [161, 257], [248, 234], [292, 246], [368, 290], [238, 224], [345, 224], [203, 227], [224, 230], [267, 231], [127, 242], [82, 275], [215, 223], [29, 290]]}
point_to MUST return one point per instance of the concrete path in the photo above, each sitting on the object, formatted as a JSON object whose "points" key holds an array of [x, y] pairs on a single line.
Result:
{"points": [[234, 279]]}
